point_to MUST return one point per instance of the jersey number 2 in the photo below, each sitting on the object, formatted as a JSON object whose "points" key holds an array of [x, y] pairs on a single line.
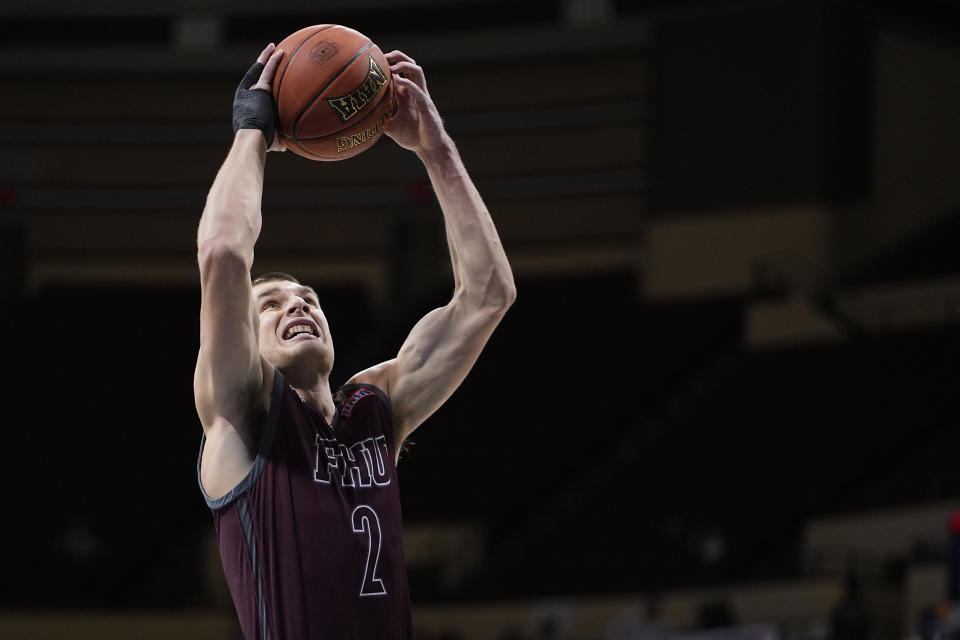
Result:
{"points": [[364, 520]]}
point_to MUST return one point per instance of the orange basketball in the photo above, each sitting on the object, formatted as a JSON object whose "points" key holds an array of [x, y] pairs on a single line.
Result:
{"points": [[334, 92]]}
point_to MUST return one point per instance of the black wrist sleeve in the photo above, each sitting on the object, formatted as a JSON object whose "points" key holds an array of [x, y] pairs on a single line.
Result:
{"points": [[253, 108]]}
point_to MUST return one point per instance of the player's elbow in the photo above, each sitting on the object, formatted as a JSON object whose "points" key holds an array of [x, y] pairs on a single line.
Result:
{"points": [[219, 235], [215, 254], [501, 288], [495, 297], [508, 294]]}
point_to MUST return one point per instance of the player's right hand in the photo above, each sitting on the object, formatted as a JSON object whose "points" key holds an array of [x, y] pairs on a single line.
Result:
{"points": [[253, 100]]}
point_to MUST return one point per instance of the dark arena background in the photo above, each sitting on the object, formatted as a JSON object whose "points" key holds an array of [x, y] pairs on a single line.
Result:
{"points": [[724, 405]]}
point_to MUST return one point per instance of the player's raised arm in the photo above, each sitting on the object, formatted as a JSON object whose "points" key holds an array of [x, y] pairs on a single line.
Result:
{"points": [[229, 378], [443, 346]]}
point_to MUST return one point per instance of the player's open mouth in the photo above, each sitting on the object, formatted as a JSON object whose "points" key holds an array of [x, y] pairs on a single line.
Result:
{"points": [[299, 329]]}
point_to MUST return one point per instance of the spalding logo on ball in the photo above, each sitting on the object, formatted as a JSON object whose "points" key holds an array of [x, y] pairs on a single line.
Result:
{"points": [[334, 92]]}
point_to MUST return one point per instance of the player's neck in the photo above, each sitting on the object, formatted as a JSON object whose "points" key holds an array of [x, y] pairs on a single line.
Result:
{"points": [[313, 387], [320, 397]]}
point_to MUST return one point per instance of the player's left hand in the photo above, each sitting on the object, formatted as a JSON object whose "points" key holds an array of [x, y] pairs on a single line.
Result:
{"points": [[253, 100], [417, 125]]}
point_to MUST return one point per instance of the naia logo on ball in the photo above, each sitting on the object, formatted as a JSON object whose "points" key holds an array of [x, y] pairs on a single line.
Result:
{"points": [[351, 104], [371, 133]]}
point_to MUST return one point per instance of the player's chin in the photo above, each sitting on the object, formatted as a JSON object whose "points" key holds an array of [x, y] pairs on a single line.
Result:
{"points": [[312, 355], [306, 346], [302, 346]]}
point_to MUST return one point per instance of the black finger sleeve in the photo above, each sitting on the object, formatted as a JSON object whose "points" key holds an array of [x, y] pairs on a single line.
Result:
{"points": [[253, 109], [251, 76]]}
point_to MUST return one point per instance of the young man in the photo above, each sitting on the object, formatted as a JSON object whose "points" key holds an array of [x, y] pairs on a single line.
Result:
{"points": [[302, 481]]}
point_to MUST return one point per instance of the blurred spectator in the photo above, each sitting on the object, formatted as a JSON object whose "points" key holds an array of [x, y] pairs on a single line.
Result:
{"points": [[850, 620], [554, 620], [953, 568], [637, 622], [511, 633], [943, 621], [716, 614], [549, 629]]}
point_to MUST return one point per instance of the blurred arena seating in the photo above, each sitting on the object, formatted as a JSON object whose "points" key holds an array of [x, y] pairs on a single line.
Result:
{"points": [[732, 356]]}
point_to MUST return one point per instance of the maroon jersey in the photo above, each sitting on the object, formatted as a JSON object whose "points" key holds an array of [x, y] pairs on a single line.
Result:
{"points": [[311, 539]]}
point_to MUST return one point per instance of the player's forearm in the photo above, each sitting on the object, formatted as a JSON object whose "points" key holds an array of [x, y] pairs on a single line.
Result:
{"points": [[231, 218], [480, 265]]}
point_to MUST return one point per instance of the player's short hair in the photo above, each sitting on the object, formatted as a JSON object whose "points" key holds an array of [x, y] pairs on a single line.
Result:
{"points": [[274, 275], [280, 276]]}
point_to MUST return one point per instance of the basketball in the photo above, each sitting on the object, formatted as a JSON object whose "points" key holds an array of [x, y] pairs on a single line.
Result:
{"points": [[333, 91]]}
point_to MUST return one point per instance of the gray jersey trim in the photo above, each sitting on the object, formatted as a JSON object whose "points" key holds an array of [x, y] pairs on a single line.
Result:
{"points": [[244, 513], [266, 444]]}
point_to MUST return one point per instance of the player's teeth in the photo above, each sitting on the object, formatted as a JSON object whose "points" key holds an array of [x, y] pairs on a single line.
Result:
{"points": [[300, 328]]}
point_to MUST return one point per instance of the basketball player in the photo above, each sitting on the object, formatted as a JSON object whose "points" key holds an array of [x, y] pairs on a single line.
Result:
{"points": [[302, 479]]}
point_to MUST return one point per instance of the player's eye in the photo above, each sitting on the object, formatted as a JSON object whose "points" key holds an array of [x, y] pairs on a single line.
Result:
{"points": [[270, 305]]}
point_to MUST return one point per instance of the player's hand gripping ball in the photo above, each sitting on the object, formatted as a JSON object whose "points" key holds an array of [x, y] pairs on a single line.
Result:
{"points": [[252, 106], [333, 91]]}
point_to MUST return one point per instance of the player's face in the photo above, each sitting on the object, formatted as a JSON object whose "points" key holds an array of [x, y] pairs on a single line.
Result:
{"points": [[293, 329]]}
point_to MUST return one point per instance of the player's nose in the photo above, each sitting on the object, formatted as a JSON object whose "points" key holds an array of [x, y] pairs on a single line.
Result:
{"points": [[298, 305]]}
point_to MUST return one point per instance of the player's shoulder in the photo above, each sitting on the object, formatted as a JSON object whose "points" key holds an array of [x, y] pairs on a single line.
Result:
{"points": [[378, 376], [372, 381]]}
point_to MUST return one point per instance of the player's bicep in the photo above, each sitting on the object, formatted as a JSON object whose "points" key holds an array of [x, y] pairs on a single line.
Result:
{"points": [[435, 359], [229, 368]]}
